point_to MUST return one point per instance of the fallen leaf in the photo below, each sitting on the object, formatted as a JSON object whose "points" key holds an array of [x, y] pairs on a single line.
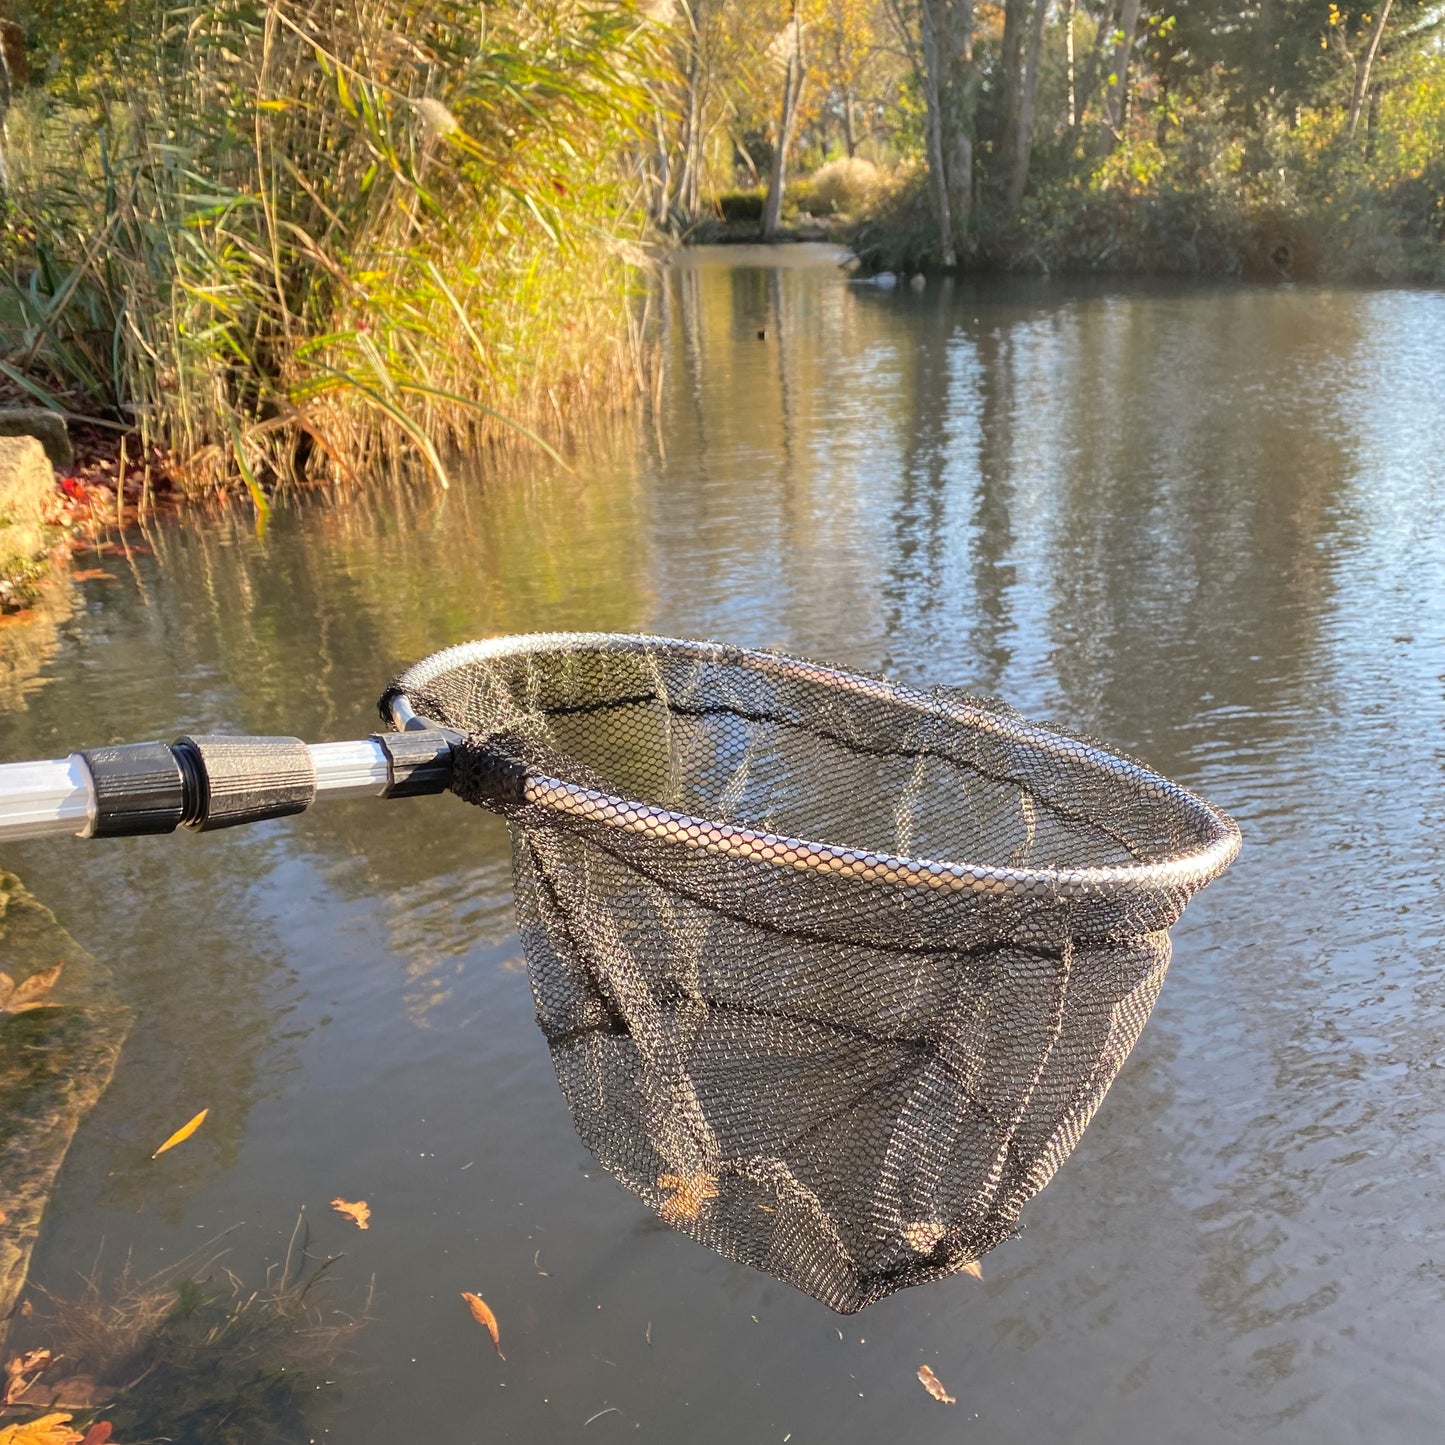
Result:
{"points": [[23, 1371], [180, 1137], [973, 1267], [482, 1313], [934, 1386], [16, 998], [690, 1193], [358, 1213], [47, 1430], [98, 1433], [923, 1235]]}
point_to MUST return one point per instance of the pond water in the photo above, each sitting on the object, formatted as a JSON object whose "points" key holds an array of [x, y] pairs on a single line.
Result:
{"points": [[1207, 525]]}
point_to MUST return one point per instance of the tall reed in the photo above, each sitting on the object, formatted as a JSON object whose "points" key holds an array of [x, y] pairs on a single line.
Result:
{"points": [[305, 237]]}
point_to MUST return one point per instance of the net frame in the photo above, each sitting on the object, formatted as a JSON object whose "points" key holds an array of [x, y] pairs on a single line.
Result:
{"points": [[1190, 870], [1100, 920]]}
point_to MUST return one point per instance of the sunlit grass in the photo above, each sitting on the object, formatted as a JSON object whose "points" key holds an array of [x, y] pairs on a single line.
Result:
{"points": [[305, 240]]}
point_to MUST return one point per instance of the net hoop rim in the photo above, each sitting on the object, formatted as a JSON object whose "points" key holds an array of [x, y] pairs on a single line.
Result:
{"points": [[1191, 869]]}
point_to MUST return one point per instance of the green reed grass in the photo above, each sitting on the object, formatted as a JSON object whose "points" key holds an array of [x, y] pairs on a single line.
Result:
{"points": [[297, 238]]}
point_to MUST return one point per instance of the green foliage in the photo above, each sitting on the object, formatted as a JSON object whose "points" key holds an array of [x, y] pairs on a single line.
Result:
{"points": [[313, 238], [741, 205], [1243, 165]]}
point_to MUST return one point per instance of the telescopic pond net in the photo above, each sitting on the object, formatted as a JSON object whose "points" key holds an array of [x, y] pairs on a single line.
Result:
{"points": [[833, 971]]}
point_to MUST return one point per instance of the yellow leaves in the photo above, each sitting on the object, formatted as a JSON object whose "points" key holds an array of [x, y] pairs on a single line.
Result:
{"points": [[182, 1134], [690, 1193], [934, 1386], [482, 1313], [359, 1213], [33, 992], [47, 1430], [922, 1236]]}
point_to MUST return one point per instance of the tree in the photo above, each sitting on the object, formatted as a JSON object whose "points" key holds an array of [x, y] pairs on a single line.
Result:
{"points": [[788, 47]]}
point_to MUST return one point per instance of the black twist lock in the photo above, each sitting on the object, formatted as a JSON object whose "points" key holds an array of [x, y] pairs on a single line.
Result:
{"points": [[244, 780], [140, 788]]}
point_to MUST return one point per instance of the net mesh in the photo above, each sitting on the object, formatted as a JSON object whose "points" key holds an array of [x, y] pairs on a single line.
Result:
{"points": [[833, 972]]}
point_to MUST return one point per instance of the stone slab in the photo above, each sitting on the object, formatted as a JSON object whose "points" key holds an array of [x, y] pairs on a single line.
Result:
{"points": [[47, 427], [27, 480]]}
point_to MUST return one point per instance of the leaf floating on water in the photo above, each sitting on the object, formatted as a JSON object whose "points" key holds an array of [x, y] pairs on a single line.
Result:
{"points": [[973, 1267], [29, 993], [47, 1430], [358, 1213], [690, 1193], [482, 1313], [98, 1433], [93, 574], [934, 1386], [179, 1137]]}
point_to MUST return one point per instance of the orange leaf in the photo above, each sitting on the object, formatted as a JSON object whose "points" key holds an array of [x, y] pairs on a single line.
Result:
{"points": [[359, 1212], [47, 1430], [179, 1137], [934, 1386], [16, 998], [92, 574], [482, 1313], [98, 1433], [689, 1193]]}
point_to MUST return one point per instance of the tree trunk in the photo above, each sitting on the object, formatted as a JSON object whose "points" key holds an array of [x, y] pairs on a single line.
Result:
{"points": [[1028, 98], [1011, 67], [793, 76], [683, 202], [664, 169], [1070, 111], [933, 124], [849, 138], [951, 90], [1364, 65], [1116, 91], [1088, 78]]}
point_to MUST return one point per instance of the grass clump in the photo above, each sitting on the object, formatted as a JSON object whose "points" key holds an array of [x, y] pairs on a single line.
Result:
{"points": [[193, 1355], [287, 238]]}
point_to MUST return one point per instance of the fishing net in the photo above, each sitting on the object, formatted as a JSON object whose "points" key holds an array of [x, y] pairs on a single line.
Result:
{"points": [[833, 972]]}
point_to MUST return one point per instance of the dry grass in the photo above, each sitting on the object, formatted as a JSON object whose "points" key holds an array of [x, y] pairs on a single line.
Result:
{"points": [[312, 239]]}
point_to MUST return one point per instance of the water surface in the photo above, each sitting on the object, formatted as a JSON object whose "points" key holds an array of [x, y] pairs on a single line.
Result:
{"points": [[1205, 524]]}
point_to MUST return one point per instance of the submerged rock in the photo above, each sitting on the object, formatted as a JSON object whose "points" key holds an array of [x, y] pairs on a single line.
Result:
{"points": [[58, 1049]]}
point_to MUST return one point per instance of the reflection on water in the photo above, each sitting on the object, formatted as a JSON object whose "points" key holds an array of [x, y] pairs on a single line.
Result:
{"points": [[1205, 524]]}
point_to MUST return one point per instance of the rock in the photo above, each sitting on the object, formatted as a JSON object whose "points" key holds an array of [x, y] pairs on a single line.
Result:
{"points": [[55, 1063], [45, 426], [26, 481]]}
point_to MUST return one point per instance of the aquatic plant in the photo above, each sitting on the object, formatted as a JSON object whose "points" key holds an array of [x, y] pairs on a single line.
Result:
{"points": [[192, 1354], [288, 239]]}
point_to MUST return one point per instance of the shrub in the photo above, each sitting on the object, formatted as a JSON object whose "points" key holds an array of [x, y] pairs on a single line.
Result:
{"points": [[844, 185], [741, 205]]}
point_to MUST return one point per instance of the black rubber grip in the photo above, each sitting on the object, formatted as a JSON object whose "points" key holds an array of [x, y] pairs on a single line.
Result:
{"points": [[243, 780], [139, 788], [418, 762]]}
